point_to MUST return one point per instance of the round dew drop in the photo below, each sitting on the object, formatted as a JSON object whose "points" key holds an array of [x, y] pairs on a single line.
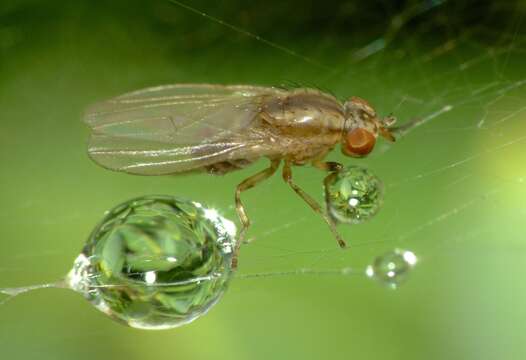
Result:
{"points": [[392, 268], [353, 195], [156, 262]]}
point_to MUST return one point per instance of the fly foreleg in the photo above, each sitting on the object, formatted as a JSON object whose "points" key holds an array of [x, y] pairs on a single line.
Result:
{"points": [[287, 176]]}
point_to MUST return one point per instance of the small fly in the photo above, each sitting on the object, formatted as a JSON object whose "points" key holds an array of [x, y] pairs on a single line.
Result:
{"points": [[217, 129]]}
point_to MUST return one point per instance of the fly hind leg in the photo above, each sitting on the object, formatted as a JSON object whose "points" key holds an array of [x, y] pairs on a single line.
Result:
{"points": [[287, 176], [240, 208]]}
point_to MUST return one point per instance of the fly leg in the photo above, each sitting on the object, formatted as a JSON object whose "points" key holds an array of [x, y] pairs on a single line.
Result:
{"points": [[333, 168], [287, 176], [240, 208]]}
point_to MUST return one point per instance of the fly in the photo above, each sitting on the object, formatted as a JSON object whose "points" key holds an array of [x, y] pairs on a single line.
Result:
{"points": [[218, 129]]}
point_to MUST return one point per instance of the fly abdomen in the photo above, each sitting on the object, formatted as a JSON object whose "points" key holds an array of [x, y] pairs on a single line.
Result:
{"points": [[224, 167]]}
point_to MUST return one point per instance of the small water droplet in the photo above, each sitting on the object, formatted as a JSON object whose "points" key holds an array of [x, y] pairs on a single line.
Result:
{"points": [[392, 268], [354, 195], [156, 262]]}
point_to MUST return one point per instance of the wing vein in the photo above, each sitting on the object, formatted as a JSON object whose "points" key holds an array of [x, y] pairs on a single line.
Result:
{"points": [[181, 127]]}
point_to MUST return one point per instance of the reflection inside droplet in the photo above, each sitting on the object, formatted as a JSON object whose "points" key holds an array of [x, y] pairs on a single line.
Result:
{"points": [[392, 268], [145, 263], [353, 195]]}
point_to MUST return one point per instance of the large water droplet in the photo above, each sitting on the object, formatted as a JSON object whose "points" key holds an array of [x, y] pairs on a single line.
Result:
{"points": [[156, 262], [392, 268], [354, 195]]}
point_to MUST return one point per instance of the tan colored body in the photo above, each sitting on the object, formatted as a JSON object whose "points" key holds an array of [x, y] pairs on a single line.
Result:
{"points": [[304, 124], [178, 128], [311, 121]]}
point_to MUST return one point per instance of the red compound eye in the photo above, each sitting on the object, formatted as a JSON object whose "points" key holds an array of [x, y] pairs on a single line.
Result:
{"points": [[359, 142]]}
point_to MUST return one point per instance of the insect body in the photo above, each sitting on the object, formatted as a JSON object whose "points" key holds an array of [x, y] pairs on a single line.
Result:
{"points": [[218, 129]]}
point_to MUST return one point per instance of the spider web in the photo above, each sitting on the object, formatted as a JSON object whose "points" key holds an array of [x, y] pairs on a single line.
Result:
{"points": [[454, 185], [466, 89]]}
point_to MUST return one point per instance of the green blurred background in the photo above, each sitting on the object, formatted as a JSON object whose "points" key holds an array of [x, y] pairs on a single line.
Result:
{"points": [[454, 187]]}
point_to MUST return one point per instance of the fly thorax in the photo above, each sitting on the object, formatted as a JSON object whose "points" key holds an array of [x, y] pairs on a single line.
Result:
{"points": [[303, 113]]}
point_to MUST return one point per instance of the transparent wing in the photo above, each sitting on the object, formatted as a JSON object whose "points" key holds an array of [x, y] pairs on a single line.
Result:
{"points": [[176, 128]]}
